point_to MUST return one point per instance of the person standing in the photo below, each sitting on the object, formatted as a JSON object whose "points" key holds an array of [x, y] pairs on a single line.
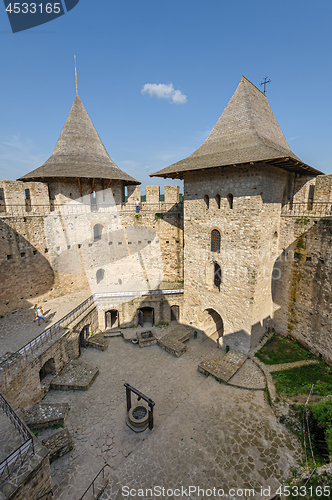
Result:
{"points": [[35, 308], [40, 315], [137, 205]]}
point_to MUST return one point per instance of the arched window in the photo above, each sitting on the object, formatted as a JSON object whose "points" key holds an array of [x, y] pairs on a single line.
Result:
{"points": [[216, 275], [230, 200], [218, 200], [100, 275], [215, 241], [207, 200], [97, 232], [93, 201]]}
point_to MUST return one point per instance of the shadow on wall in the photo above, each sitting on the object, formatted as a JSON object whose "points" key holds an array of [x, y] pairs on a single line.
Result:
{"points": [[212, 326], [25, 273], [302, 294]]}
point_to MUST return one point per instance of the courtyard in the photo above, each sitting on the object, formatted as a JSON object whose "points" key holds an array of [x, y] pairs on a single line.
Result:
{"points": [[205, 434]]}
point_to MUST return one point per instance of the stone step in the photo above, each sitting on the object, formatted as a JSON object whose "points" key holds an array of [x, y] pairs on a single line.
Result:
{"points": [[97, 341], [59, 444], [75, 376], [223, 369], [44, 415], [173, 342]]}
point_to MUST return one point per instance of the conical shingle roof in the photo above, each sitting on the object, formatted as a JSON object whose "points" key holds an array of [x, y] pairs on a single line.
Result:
{"points": [[246, 132], [79, 152]]}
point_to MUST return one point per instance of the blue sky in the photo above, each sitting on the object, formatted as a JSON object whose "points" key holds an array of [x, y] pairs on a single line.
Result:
{"points": [[200, 47]]}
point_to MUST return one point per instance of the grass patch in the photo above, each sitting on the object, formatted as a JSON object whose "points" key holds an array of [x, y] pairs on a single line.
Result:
{"points": [[280, 350], [299, 380]]}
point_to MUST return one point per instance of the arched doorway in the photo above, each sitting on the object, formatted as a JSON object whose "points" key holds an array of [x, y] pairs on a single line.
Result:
{"points": [[112, 319], [213, 325], [145, 316], [47, 369], [84, 334]]}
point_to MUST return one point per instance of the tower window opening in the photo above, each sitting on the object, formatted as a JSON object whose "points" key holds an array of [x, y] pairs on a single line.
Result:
{"points": [[93, 201], [100, 274], [215, 241], [218, 200], [207, 200], [216, 275], [97, 232], [230, 199]]}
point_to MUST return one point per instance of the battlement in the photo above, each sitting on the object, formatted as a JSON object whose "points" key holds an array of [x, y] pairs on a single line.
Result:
{"points": [[19, 198]]}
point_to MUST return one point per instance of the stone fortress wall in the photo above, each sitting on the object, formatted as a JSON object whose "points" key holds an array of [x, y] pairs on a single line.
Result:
{"points": [[37, 263], [275, 264], [303, 295]]}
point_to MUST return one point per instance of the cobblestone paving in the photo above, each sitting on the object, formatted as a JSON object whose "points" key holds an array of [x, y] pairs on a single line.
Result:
{"points": [[205, 433], [10, 438], [249, 376], [19, 328]]}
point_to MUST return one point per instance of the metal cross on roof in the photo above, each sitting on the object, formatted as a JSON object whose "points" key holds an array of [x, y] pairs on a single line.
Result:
{"points": [[266, 80]]}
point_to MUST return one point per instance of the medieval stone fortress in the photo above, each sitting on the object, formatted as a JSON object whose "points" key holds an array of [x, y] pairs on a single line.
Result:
{"points": [[205, 276]]}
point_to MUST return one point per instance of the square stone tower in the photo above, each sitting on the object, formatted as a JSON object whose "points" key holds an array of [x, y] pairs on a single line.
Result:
{"points": [[234, 186]]}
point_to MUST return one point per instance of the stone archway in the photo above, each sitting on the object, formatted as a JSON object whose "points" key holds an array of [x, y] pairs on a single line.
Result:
{"points": [[212, 324]]}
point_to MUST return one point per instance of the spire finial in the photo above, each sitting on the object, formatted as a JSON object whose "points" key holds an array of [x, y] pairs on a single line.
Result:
{"points": [[76, 76]]}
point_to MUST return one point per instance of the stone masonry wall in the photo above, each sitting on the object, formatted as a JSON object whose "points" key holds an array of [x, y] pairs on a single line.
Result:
{"points": [[53, 254], [20, 382], [127, 310], [249, 239], [303, 294]]}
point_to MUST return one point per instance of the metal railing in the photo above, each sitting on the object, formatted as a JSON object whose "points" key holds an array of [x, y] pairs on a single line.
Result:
{"points": [[84, 209], [23, 452], [308, 209], [50, 332], [92, 484]]}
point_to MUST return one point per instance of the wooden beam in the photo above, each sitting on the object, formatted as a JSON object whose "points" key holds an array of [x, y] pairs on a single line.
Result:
{"points": [[109, 182], [93, 183], [79, 185]]}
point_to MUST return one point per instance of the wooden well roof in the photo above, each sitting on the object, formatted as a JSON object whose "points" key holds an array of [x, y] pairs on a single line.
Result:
{"points": [[247, 132], [79, 152]]}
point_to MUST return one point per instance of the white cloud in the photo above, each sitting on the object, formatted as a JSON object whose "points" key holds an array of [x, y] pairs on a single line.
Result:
{"points": [[17, 156], [163, 91]]}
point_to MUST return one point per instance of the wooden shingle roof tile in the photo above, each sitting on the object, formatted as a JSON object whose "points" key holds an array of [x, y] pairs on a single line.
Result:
{"points": [[246, 132]]}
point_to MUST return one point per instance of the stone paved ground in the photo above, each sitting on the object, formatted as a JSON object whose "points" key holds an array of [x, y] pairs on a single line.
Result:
{"points": [[10, 438], [206, 433], [18, 329]]}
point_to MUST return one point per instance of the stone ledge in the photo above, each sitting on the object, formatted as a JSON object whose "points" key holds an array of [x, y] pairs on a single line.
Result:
{"points": [[173, 342], [225, 368], [44, 415], [58, 444], [97, 341], [75, 376]]}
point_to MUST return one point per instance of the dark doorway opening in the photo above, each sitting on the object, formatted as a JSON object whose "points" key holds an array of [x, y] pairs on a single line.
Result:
{"points": [[146, 316], [84, 335], [112, 319], [175, 311], [47, 369]]}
